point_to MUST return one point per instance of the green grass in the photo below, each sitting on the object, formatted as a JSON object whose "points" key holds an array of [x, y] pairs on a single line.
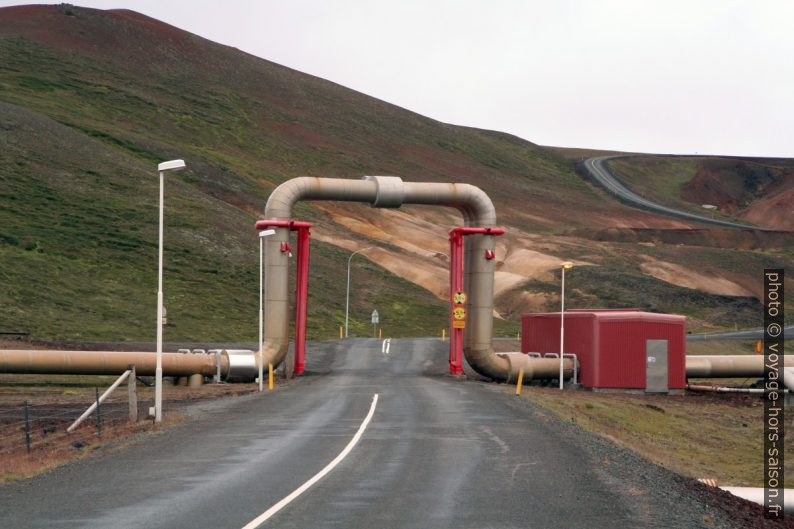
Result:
{"points": [[694, 435], [657, 178]]}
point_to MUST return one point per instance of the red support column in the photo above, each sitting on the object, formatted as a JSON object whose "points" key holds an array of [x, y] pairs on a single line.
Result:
{"points": [[456, 285], [301, 294], [301, 282]]}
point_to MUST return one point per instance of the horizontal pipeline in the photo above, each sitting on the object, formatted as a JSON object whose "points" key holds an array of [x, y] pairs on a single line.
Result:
{"points": [[47, 362], [724, 389], [728, 366]]}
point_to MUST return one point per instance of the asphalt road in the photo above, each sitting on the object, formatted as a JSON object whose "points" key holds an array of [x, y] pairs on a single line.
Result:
{"points": [[788, 332], [598, 170], [439, 452]]}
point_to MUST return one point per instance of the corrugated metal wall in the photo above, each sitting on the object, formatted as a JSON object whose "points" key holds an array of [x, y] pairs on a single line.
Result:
{"points": [[540, 333], [610, 344]]}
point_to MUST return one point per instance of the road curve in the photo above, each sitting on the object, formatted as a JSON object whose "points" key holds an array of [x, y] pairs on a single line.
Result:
{"points": [[598, 170], [439, 452]]}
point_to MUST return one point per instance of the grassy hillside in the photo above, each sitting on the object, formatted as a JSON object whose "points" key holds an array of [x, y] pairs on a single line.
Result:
{"points": [[755, 190], [78, 241], [91, 100], [79, 251]]}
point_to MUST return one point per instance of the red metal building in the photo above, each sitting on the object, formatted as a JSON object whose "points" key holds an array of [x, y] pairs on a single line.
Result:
{"points": [[626, 349]]}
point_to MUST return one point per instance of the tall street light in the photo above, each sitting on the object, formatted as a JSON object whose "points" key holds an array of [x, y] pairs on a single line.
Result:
{"points": [[162, 168], [567, 265], [347, 299], [262, 235]]}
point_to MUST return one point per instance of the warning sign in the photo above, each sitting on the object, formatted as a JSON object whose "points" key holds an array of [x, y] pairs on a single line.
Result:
{"points": [[459, 324], [459, 313], [459, 298]]}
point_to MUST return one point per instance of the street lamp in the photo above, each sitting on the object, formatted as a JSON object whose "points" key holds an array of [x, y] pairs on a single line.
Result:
{"points": [[347, 299], [262, 235], [162, 168], [567, 265]]}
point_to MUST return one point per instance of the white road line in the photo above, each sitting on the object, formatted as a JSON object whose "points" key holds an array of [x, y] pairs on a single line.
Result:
{"points": [[385, 347], [259, 520]]}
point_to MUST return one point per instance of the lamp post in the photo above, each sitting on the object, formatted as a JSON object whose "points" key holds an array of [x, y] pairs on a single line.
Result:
{"points": [[567, 265], [162, 168], [347, 299], [262, 235]]}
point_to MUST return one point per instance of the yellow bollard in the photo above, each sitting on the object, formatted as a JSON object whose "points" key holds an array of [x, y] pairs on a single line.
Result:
{"points": [[341, 335], [443, 334], [520, 382], [380, 333], [270, 377]]}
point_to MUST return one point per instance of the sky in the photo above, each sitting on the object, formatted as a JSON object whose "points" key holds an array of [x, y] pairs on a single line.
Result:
{"points": [[693, 76]]}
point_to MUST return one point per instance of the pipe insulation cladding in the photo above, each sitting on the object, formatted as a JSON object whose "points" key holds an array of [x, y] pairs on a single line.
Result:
{"points": [[730, 366], [391, 192], [107, 363]]}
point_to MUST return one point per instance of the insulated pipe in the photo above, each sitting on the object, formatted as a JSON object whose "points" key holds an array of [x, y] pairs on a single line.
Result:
{"points": [[788, 377], [106, 363], [728, 366], [757, 495], [723, 389], [391, 192], [535, 367]]}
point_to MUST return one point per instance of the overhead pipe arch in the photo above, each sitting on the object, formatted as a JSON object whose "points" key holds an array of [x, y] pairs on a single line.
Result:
{"points": [[391, 192]]}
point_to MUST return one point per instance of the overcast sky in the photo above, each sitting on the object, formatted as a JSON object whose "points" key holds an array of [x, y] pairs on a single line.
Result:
{"points": [[690, 76]]}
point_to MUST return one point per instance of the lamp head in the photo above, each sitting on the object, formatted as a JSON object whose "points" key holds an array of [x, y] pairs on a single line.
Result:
{"points": [[567, 265], [266, 233], [171, 165]]}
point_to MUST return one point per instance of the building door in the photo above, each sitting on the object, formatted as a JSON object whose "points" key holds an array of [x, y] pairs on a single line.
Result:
{"points": [[656, 366]]}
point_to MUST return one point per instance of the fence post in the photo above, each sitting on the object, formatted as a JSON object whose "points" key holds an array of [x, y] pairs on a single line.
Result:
{"points": [[27, 427], [98, 414], [132, 392]]}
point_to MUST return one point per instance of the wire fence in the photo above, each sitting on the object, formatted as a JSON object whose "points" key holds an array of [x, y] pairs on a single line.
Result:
{"points": [[34, 419], [34, 428]]}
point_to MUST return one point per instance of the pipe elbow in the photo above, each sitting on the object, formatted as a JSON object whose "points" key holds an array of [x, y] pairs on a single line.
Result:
{"points": [[483, 212], [286, 195]]}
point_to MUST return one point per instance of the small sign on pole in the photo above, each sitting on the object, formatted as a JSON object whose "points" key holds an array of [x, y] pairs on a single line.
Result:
{"points": [[375, 321], [459, 318]]}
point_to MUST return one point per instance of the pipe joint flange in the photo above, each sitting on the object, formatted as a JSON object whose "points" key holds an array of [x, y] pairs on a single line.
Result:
{"points": [[389, 191]]}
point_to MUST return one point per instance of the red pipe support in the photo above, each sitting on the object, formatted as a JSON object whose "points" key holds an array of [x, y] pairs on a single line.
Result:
{"points": [[467, 230], [293, 225], [301, 282], [301, 294], [456, 285]]}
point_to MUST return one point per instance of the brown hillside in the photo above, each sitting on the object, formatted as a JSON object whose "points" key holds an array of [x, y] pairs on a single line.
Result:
{"points": [[761, 191]]}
